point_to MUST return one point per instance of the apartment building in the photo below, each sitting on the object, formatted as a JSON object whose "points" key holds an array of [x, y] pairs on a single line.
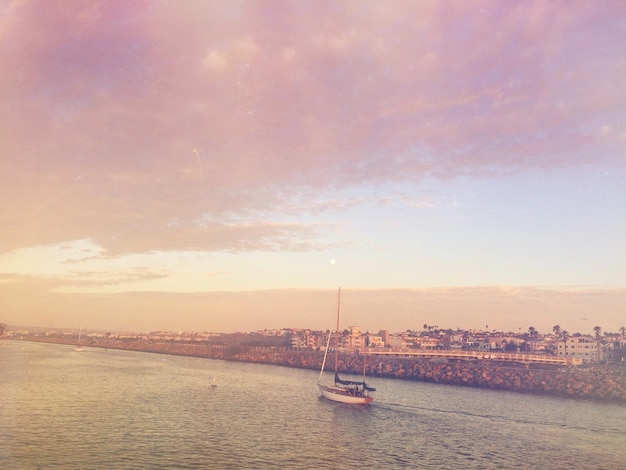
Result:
{"points": [[585, 348]]}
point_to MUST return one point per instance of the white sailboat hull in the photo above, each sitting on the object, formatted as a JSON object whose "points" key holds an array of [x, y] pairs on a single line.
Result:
{"points": [[343, 395]]}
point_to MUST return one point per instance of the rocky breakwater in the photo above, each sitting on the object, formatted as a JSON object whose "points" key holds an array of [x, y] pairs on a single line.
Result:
{"points": [[602, 383], [598, 383]]}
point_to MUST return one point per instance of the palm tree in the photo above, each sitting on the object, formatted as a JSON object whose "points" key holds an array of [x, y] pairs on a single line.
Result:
{"points": [[598, 332], [3, 328], [531, 330], [622, 330], [556, 329], [533, 334], [564, 338]]}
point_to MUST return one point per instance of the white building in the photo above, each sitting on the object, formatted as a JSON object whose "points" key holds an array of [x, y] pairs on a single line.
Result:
{"points": [[585, 348], [354, 340]]}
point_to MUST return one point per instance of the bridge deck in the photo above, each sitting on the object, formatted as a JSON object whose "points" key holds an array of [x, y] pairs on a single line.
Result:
{"points": [[478, 355]]}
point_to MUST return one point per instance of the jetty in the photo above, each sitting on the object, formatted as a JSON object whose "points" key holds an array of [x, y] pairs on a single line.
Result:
{"points": [[524, 373]]}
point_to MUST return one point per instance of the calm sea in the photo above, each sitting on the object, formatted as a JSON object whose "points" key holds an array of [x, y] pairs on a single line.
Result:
{"points": [[121, 410]]}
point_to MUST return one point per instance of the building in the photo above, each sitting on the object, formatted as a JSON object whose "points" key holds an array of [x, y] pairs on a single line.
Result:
{"points": [[306, 340], [354, 339], [375, 341], [585, 348]]}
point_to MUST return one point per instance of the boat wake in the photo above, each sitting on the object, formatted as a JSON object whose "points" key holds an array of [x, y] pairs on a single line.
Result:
{"points": [[419, 410]]}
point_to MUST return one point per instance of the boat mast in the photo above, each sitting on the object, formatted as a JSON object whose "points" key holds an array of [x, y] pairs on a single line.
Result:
{"points": [[364, 361], [337, 332]]}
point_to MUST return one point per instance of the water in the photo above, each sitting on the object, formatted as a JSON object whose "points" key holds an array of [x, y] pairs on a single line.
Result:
{"points": [[123, 410]]}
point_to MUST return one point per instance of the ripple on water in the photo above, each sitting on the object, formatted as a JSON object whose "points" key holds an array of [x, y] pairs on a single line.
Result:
{"points": [[125, 410]]}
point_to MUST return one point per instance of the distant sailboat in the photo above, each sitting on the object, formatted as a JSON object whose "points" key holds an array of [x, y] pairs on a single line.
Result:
{"points": [[344, 391], [79, 346], [214, 383]]}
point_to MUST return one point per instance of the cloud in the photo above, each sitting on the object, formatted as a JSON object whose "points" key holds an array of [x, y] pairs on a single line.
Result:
{"points": [[85, 266], [104, 102], [74, 265]]}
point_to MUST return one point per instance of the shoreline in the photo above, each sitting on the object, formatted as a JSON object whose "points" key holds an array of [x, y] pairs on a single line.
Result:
{"points": [[597, 383]]}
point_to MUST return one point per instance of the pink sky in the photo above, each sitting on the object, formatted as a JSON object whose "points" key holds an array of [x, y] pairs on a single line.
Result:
{"points": [[195, 148]]}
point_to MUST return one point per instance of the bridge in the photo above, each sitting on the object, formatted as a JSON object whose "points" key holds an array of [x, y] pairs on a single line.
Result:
{"points": [[478, 355]]}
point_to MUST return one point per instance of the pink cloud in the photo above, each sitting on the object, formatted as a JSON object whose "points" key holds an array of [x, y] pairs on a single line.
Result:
{"points": [[103, 103]]}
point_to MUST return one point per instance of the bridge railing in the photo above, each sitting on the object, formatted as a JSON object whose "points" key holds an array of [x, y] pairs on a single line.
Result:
{"points": [[477, 355]]}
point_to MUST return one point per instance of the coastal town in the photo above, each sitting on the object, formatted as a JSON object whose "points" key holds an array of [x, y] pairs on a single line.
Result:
{"points": [[556, 347]]}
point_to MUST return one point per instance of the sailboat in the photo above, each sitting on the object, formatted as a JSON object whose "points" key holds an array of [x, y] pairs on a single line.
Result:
{"points": [[344, 391], [79, 346]]}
